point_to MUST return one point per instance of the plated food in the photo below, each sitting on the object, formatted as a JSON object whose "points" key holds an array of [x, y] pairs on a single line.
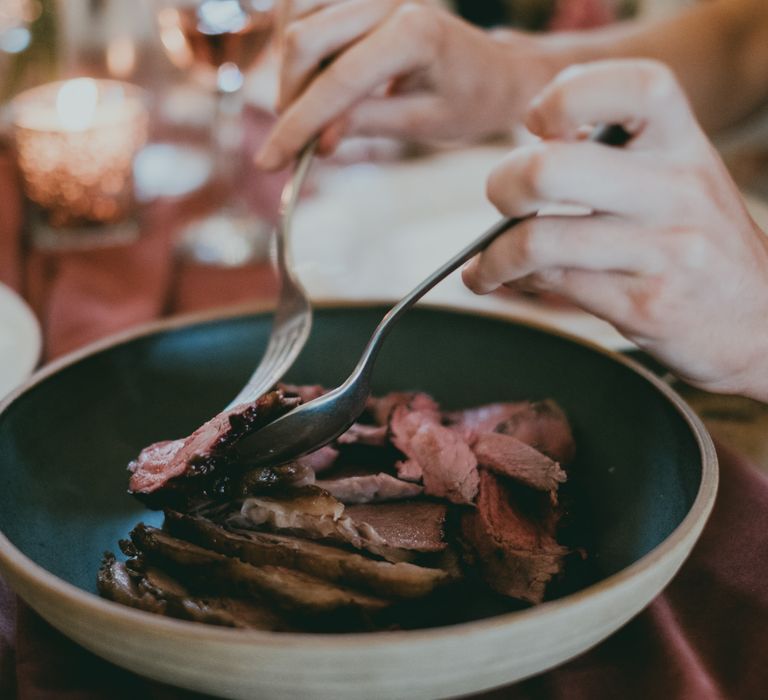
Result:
{"points": [[412, 518], [645, 468]]}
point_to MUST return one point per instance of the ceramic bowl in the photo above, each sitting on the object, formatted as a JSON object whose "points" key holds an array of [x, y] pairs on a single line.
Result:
{"points": [[647, 466]]}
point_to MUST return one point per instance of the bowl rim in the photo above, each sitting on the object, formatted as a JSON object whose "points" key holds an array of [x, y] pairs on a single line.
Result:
{"points": [[12, 559], [32, 335]]}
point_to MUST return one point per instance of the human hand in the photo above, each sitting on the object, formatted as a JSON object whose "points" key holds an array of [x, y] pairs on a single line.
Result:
{"points": [[669, 255], [405, 69]]}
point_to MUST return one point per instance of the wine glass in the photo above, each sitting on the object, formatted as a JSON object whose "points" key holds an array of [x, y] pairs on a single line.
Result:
{"points": [[15, 17], [219, 40]]}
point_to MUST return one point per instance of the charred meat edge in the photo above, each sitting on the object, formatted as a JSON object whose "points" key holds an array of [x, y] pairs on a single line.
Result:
{"points": [[153, 590], [401, 580], [290, 589]]}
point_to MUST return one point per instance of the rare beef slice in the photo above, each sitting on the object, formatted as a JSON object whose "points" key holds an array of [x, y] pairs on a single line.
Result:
{"points": [[206, 448], [542, 425], [508, 456], [516, 553], [370, 488]]}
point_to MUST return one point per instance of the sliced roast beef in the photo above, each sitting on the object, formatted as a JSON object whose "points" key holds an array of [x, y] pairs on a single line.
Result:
{"points": [[542, 425], [207, 447], [511, 457], [153, 590], [370, 488], [156, 465], [381, 408], [418, 526], [272, 548], [316, 515], [363, 434], [448, 465], [285, 509], [516, 553], [320, 460], [433, 453], [290, 589], [472, 422], [400, 580], [114, 582], [404, 423], [407, 528]]}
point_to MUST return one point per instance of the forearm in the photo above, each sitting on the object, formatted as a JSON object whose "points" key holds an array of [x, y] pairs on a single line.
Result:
{"points": [[718, 49]]}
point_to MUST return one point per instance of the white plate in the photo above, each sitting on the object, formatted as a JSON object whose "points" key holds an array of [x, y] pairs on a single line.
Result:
{"points": [[374, 231], [20, 340]]}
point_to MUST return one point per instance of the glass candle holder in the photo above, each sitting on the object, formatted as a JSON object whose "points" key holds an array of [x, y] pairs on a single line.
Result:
{"points": [[76, 141]]}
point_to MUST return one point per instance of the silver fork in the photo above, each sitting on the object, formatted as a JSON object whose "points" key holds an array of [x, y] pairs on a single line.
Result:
{"points": [[292, 320], [317, 422]]}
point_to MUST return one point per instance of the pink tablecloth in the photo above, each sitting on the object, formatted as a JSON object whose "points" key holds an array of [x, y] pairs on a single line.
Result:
{"points": [[704, 638]]}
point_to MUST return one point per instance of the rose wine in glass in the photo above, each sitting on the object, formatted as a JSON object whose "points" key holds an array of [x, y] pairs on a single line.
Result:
{"points": [[221, 39]]}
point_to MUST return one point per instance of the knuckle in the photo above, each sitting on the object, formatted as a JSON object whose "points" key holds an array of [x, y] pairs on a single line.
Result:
{"points": [[689, 249], [417, 122], [482, 278], [646, 302], [521, 253], [417, 20], [653, 305], [533, 174], [575, 70], [515, 185], [495, 188], [694, 193], [337, 75], [544, 113], [548, 279], [292, 38]]}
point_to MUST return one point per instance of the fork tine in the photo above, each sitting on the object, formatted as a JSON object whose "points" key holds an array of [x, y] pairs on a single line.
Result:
{"points": [[292, 319]]}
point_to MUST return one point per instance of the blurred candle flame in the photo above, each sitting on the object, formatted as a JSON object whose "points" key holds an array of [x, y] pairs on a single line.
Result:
{"points": [[173, 39], [121, 56], [76, 103]]}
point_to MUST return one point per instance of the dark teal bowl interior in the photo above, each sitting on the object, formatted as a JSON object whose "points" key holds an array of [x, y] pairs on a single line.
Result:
{"points": [[65, 443]]}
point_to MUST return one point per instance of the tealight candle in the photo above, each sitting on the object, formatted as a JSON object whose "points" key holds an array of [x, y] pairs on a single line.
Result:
{"points": [[76, 141]]}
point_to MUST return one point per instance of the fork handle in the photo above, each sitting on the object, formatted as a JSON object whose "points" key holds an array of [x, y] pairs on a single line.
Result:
{"points": [[608, 134], [368, 358]]}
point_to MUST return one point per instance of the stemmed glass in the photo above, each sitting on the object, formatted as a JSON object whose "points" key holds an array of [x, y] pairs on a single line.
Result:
{"points": [[220, 40]]}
